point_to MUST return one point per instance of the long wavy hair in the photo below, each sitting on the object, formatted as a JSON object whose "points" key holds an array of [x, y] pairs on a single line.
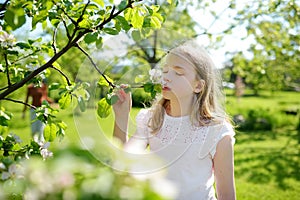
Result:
{"points": [[208, 105]]}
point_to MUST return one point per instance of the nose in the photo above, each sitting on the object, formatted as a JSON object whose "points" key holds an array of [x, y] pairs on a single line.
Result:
{"points": [[166, 77]]}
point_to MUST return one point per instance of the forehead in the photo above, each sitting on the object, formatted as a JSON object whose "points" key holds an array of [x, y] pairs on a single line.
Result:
{"points": [[177, 60]]}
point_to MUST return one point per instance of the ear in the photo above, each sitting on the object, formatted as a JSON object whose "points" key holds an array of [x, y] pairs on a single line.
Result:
{"points": [[199, 84]]}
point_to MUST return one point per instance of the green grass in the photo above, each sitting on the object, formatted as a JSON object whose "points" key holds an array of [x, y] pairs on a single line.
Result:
{"points": [[267, 163]]}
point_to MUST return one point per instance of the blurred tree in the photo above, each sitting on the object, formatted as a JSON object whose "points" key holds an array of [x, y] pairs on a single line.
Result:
{"points": [[274, 63]]}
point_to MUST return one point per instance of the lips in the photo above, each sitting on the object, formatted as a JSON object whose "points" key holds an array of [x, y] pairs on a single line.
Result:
{"points": [[165, 88]]}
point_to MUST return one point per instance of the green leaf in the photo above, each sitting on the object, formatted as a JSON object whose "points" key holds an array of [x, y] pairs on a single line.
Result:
{"points": [[104, 109], [157, 88], [128, 14], [103, 82], [148, 87], [54, 86], [50, 132], [136, 35], [127, 89], [4, 118], [62, 125], [122, 5], [155, 22], [65, 101], [11, 52], [23, 45], [81, 104], [124, 23], [100, 2], [112, 99], [85, 23], [90, 38], [40, 17], [137, 20], [153, 94], [15, 18], [99, 43], [140, 78], [111, 31]]}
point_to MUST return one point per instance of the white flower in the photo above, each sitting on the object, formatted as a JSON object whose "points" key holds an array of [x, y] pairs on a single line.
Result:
{"points": [[14, 171], [2, 166], [155, 75], [46, 153], [6, 40]]}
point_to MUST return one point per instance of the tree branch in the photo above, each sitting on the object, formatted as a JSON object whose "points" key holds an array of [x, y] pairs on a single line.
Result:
{"points": [[95, 66], [64, 75], [69, 45], [7, 70], [21, 102]]}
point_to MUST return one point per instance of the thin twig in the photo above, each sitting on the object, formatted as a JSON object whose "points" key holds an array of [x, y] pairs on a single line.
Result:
{"points": [[4, 88], [54, 40], [21, 58], [70, 18], [21, 102], [113, 15], [81, 16], [213, 22], [67, 30], [7, 70], [95, 66], [64, 75]]}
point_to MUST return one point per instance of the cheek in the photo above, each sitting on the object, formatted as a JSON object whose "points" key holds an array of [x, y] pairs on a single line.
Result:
{"points": [[183, 86]]}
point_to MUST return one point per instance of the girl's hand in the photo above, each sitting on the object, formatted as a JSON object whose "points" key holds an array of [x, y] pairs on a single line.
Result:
{"points": [[124, 104]]}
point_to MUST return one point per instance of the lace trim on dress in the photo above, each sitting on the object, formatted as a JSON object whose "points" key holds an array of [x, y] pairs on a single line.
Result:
{"points": [[181, 130]]}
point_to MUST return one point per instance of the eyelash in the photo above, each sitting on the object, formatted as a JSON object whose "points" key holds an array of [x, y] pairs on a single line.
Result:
{"points": [[177, 73]]}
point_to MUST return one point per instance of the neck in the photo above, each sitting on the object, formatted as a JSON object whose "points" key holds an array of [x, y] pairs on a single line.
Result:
{"points": [[178, 109]]}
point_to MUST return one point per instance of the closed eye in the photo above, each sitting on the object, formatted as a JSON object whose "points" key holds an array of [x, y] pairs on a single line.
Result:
{"points": [[165, 70], [179, 73], [179, 70]]}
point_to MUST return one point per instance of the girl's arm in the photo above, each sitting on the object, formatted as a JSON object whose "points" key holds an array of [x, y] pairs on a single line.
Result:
{"points": [[138, 142], [121, 110], [224, 169]]}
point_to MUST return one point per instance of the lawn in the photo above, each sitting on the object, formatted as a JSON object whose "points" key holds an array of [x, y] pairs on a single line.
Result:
{"points": [[267, 163]]}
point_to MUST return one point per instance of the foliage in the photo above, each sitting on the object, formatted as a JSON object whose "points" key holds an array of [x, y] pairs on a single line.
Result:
{"points": [[79, 23], [256, 120], [273, 64], [74, 174]]}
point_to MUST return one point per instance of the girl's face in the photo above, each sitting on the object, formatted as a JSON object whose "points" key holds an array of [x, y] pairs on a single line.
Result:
{"points": [[179, 78]]}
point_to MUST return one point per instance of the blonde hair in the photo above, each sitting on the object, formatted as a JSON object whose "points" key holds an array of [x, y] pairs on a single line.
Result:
{"points": [[209, 103]]}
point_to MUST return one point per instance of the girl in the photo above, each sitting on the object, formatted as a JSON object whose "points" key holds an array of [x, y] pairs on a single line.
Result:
{"points": [[187, 127]]}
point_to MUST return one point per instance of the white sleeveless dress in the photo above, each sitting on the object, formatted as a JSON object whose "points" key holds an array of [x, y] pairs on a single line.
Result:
{"points": [[187, 152]]}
